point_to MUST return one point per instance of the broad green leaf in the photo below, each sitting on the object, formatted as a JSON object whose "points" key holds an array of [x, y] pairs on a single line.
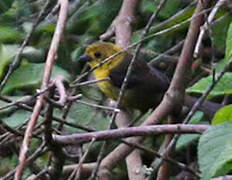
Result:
{"points": [[224, 86], [214, 151], [186, 139], [33, 55], [87, 116], [28, 76], [223, 115], [220, 31], [7, 52], [95, 18], [9, 34], [17, 118], [221, 64], [179, 17], [170, 8]]}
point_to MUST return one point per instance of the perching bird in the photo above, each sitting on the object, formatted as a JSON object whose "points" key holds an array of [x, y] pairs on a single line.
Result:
{"points": [[146, 85]]}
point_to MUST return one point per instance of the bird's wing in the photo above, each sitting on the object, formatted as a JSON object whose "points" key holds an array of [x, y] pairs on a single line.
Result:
{"points": [[141, 75], [118, 74]]}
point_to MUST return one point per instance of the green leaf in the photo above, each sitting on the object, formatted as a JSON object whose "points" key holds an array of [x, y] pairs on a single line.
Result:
{"points": [[87, 116], [223, 115], [9, 34], [17, 118], [220, 31], [7, 52], [214, 151], [33, 55], [221, 64], [29, 76], [95, 18], [170, 8], [224, 86]]}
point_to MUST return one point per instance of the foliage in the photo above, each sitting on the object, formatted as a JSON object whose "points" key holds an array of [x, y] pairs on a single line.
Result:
{"points": [[87, 20], [214, 151]]}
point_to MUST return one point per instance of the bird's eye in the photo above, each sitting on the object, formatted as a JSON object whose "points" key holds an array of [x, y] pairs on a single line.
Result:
{"points": [[97, 55]]}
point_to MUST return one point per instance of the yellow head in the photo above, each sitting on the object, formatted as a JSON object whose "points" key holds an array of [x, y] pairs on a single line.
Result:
{"points": [[98, 52]]}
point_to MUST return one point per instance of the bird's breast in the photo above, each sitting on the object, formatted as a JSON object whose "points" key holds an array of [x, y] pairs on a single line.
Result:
{"points": [[106, 86]]}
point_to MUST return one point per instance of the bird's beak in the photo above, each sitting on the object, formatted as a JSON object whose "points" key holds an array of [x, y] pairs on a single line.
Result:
{"points": [[85, 58]]}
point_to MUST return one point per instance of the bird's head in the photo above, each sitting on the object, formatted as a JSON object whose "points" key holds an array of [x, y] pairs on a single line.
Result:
{"points": [[98, 52]]}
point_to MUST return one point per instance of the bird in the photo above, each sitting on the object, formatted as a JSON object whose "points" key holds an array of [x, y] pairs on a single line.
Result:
{"points": [[146, 85]]}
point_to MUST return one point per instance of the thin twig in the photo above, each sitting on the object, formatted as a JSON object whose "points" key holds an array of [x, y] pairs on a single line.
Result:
{"points": [[86, 83], [46, 77], [99, 106]]}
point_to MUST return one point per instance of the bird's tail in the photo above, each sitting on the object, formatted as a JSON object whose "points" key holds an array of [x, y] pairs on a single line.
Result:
{"points": [[210, 108]]}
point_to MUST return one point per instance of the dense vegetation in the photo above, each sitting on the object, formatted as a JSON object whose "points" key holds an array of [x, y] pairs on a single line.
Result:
{"points": [[70, 106]]}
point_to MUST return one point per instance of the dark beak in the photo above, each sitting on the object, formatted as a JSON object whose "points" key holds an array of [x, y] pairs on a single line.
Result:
{"points": [[85, 58]]}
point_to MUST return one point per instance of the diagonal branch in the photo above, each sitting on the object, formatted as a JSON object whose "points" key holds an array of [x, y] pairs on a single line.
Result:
{"points": [[46, 77]]}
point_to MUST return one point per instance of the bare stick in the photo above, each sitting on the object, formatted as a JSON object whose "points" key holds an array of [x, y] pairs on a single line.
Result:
{"points": [[127, 132], [46, 77]]}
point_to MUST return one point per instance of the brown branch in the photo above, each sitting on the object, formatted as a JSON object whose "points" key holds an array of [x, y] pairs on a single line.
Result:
{"points": [[123, 28], [46, 77], [57, 156], [59, 84], [127, 132]]}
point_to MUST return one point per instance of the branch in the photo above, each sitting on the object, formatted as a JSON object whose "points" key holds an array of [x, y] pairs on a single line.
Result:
{"points": [[128, 132], [46, 76]]}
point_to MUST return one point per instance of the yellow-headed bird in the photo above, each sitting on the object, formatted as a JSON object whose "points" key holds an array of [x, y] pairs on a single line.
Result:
{"points": [[146, 85]]}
